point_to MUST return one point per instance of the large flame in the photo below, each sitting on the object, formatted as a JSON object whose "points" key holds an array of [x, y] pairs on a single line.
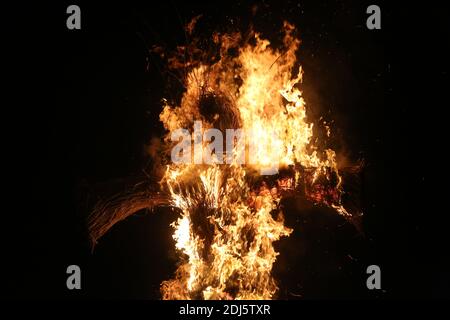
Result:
{"points": [[230, 214]]}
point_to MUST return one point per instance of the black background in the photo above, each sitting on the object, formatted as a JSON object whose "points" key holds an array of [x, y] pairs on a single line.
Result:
{"points": [[87, 102]]}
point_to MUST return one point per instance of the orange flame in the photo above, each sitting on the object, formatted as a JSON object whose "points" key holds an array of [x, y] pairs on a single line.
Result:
{"points": [[227, 227]]}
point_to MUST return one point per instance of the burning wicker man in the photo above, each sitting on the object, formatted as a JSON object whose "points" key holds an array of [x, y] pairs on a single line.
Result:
{"points": [[237, 142]]}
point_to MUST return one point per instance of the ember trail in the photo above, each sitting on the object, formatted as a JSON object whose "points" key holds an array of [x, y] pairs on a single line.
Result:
{"points": [[229, 214]]}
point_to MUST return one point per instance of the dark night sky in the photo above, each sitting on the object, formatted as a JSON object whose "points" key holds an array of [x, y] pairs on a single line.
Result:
{"points": [[89, 100]]}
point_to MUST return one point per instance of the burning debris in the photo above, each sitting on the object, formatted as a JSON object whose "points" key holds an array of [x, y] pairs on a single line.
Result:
{"points": [[230, 214]]}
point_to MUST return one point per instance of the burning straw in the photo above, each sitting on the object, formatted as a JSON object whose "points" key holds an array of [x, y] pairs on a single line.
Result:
{"points": [[226, 225], [107, 213]]}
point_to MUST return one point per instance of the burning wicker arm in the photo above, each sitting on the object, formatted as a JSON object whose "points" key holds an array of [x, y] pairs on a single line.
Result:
{"points": [[108, 212]]}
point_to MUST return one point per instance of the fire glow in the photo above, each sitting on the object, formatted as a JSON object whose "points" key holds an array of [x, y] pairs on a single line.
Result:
{"points": [[230, 215]]}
